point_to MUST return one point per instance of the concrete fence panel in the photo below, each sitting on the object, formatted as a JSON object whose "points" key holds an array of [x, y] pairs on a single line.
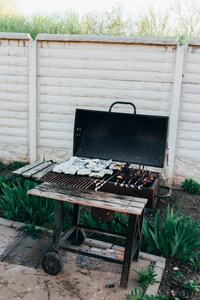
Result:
{"points": [[14, 96], [92, 73], [42, 82]]}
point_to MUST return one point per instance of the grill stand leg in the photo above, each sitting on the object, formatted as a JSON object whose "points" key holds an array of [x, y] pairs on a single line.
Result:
{"points": [[52, 262], [139, 235], [58, 220], [79, 235], [76, 214], [132, 248]]}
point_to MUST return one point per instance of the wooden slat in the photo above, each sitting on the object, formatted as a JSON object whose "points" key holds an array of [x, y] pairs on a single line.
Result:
{"points": [[131, 205], [38, 175], [37, 169], [26, 168]]}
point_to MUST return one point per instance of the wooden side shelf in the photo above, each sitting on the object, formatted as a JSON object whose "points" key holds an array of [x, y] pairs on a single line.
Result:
{"points": [[120, 203]]}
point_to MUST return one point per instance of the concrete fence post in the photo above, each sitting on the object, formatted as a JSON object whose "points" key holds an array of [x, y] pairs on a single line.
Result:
{"points": [[175, 109], [32, 101]]}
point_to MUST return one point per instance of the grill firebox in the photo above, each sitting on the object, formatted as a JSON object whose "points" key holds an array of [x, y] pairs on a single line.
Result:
{"points": [[110, 183]]}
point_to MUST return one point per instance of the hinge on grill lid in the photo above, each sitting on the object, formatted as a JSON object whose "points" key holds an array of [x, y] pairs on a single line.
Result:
{"points": [[78, 131], [167, 156]]}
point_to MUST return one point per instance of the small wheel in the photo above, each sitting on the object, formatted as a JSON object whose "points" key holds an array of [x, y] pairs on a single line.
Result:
{"points": [[52, 263], [77, 237]]}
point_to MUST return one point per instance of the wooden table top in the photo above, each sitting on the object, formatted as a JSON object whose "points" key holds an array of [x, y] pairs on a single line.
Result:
{"points": [[120, 203]]}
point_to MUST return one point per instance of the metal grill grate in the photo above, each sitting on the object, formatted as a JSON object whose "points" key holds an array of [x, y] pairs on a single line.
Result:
{"points": [[75, 181]]}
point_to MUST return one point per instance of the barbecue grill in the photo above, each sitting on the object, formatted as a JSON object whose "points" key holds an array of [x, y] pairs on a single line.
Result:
{"points": [[130, 138], [127, 144]]}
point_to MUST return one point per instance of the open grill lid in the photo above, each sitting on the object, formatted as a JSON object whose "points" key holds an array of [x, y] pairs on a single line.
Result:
{"points": [[137, 139]]}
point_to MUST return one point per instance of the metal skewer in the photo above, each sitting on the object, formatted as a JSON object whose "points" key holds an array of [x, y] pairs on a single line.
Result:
{"points": [[123, 183], [133, 185], [128, 183], [103, 182], [117, 181]]}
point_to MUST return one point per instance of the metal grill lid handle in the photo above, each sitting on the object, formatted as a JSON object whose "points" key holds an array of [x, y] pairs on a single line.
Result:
{"points": [[126, 103]]}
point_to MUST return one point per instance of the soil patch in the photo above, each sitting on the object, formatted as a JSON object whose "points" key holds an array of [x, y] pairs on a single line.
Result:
{"points": [[178, 273]]}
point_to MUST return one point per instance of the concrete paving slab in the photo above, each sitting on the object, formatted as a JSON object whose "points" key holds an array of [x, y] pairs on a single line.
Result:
{"points": [[19, 282], [22, 282], [5, 222], [7, 235], [17, 225], [91, 286]]}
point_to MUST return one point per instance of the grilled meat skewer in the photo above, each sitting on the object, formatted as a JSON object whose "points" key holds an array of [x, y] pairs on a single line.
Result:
{"points": [[121, 175]]}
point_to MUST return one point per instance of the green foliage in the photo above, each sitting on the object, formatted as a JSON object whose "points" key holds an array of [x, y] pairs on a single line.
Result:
{"points": [[192, 285], [152, 23], [148, 211], [20, 206], [178, 275], [195, 263], [147, 23], [32, 230], [66, 23], [2, 181], [11, 166], [135, 295], [1, 165], [8, 7], [107, 23], [186, 14], [87, 220], [68, 215], [191, 186], [146, 277], [181, 39], [16, 165], [178, 237]]}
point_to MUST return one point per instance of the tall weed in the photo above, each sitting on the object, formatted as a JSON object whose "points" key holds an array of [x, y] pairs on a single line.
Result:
{"points": [[177, 237], [20, 206]]}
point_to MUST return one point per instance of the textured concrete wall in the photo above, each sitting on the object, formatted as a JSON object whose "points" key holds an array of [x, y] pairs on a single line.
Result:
{"points": [[14, 82], [93, 74], [42, 82]]}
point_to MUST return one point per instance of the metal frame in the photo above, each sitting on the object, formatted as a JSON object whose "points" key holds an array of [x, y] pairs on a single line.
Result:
{"points": [[133, 238]]}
